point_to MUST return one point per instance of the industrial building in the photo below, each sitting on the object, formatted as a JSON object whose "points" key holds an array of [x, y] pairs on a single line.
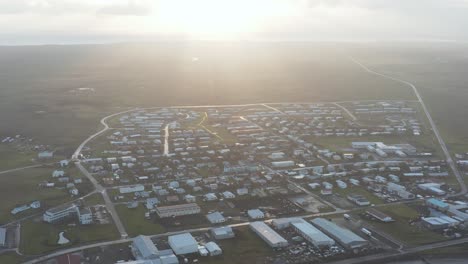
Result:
{"points": [[59, 213], [312, 234], [344, 236], [442, 222], [437, 204], [178, 210], [213, 249], [145, 252], [268, 235], [224, 232], [379, 215], [282, 223], [433, 188], [183, 244], [2, 237]]}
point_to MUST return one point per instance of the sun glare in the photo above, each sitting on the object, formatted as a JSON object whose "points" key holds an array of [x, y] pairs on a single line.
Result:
{"points": [[214, 18]]}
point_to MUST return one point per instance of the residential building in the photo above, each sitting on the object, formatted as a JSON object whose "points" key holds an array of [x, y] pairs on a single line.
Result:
{"points": [[178, 210]]}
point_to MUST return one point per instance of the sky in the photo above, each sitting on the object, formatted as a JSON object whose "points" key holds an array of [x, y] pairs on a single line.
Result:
{"points": [[24, 22]]}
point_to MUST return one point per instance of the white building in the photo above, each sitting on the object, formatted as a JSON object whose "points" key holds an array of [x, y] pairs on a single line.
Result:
{"points": [[59, 213], [178, 210], [183, 244], [312, 234], [132, 189], [213, 248], [268, 235], [255, 214]]}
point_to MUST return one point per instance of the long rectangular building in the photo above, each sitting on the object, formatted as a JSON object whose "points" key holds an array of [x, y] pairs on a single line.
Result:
{"points": [[268, 235], [178, 210], [312, 234], [344, 236]]}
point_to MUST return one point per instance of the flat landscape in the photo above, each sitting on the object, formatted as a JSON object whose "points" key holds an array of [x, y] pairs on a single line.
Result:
{"points": [[185, 138]]}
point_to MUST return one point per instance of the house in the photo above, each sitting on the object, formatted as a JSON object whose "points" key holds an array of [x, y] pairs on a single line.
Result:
{"points": [[210, 197], [63, 163], [213, 248], [58, 173], [242, 191], [190, 198], [45, 155], [255, 214], [228, 195], [151, 203], [216, 218], [224, 232]]}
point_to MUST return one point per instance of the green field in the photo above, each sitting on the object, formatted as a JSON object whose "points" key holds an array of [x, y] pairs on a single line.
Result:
{"points": [[40, 237], [135, 222], [93, 199], [246, 247], [358, 190], [401, 228], [10, 258], [21, 187], [13, 158]]}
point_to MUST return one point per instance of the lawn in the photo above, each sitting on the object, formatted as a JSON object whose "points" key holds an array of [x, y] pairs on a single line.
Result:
{"points": [[93, 199], [21, 187], [447, 251], [358, 190], [135, 222], [246, 247], [13, 158], [10, 258], [39, 237], [401, 228]]}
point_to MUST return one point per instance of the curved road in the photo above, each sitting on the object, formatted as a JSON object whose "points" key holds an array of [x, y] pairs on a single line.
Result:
{"points": [[450, 162]]}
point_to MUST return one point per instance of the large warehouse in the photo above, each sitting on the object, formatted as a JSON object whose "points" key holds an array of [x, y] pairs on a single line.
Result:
{"points": [[312, 234], [183, 244], [344, 236], [268, 235]]}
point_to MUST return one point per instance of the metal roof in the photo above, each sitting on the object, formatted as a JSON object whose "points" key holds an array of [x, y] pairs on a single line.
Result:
{"points": [[341, 234], [145, 246]]}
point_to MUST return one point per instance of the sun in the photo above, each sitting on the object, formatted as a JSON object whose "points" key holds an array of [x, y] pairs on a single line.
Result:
{"points": [[212, 18]]}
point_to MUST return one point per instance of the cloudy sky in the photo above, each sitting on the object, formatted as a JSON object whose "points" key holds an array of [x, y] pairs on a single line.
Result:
{"points": [[100, 21]]}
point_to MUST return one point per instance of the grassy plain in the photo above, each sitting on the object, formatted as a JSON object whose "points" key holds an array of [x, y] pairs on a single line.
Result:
{"points": [[135, 222], [246, 247], [402, 230], [39, 237], [21, 187]]}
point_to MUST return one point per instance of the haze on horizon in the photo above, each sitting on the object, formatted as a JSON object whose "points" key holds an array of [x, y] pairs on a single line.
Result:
{"points": [[26, 22]]}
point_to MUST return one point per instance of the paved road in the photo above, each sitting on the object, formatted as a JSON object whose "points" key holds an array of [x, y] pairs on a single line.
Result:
{"points": [[108, 203], [25, 167], [450, 162], [166, 140], [346, 110], [106, 127]]}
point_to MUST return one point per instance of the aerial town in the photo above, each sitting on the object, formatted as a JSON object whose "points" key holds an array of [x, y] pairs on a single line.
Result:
{"points": [[267, 183]]}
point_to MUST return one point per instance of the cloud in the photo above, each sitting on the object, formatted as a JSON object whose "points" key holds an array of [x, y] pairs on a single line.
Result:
{"points": [[131, 8]]}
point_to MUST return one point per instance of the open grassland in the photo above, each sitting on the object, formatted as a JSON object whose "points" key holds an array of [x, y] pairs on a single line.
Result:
{"points": [[246, 247], [45, 103], [40, 237], [135, 222], [10, 258], [402, 230], [360, 191], [11, 157], [21, 187]]}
